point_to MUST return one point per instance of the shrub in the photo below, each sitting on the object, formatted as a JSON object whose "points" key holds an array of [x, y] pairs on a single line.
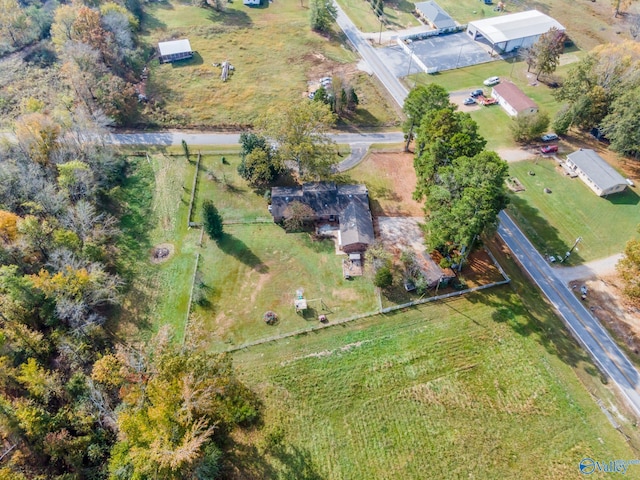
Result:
{"points": [[383, 278]]}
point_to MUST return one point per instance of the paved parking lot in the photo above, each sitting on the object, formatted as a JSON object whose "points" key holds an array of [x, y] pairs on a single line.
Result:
{"points": [[443, 52]]}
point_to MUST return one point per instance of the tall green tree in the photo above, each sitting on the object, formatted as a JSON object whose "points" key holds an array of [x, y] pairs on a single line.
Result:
{"points": [[526, 128], [594, 83], [466, 200], [420, 101], [323, 13], [212, 220], [443, 136], [622, 125], [300, 130]]}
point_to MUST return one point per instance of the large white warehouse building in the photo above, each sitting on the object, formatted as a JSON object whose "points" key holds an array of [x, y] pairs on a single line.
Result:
{"points": [[510, 32]]}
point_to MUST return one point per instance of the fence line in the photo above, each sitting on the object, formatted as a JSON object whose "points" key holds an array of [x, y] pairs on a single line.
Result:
{"points": [[363, 315], [255, 221], [498, 266], [193, 192], [193, 283]]}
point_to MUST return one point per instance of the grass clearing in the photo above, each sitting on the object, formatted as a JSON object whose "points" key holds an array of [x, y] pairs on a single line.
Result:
{"points": [[554, 221], [470, 385], [254, 268], [157, 195], [493, 122], [274, 54], [398, 15]]}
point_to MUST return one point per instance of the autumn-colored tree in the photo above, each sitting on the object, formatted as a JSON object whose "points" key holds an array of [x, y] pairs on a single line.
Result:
{"points": [[8, 226], [173, 401], [62, 27], [629, 269], [14, 23], [37, 135]]}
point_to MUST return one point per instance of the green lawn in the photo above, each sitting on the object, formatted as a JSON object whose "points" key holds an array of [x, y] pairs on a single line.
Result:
{"points": [[397, 14], [255, 267], [554, 221], [272, 49], [493, 121], [156, 194], [480, 387]]}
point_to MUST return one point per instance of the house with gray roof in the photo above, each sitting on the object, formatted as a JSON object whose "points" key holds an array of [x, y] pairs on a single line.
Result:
{"points": [[593, 170], [174, 50], [435, 15], [346, 204]]}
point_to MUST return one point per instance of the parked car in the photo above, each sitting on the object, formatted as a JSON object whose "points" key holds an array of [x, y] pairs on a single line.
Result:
{"points": [[486, 101], [469, 101], [492, 81], [549, 149], [477, 93], [549, 137]]}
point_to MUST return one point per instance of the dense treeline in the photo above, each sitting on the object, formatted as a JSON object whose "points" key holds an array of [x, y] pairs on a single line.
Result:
{"points": [[91, 48], [461, 184], [603, 90], [58, 285], [74, 402]]}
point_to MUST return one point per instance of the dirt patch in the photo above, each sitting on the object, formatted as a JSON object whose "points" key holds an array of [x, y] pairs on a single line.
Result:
{"points": [[161, 253], [607, 304], [321, 67], [395, 199]]}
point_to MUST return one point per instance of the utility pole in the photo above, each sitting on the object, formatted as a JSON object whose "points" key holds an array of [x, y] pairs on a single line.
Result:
{"points": [[381, 18], [575, 244]]}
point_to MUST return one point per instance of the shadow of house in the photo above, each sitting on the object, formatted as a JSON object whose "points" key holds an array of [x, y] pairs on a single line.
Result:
{"points": [[346, 204]]}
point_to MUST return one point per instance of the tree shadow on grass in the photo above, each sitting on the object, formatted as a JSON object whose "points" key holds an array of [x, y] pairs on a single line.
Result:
{"points": [[238, 249], [297, 463], [246, 461], [293, 463], [540, 232], [231, 18], [528, 314]]}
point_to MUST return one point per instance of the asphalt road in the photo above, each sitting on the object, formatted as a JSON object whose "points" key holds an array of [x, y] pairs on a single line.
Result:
{"points": [[593, 337], [211, 138], [369, 54]]}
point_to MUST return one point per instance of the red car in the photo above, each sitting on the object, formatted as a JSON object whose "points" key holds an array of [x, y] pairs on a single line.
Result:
{"points": [[549, 149]]}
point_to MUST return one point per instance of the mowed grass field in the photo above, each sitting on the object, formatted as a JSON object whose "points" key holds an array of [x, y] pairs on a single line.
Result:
{"points": [[274, 54], [479, 387], [554, 221], [493, 121]]}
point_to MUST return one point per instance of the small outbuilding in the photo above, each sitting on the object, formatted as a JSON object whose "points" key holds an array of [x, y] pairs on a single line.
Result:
{"points": [[435, 15], [593, 170], [513, 100], [506, 33], [175, 50]]}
